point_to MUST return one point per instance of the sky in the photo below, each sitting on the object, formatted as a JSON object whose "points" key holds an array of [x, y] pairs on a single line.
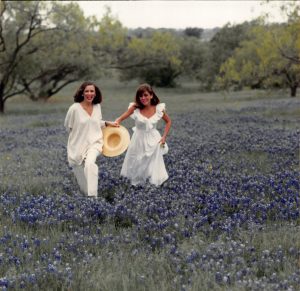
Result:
{"points": [[182, 14]]}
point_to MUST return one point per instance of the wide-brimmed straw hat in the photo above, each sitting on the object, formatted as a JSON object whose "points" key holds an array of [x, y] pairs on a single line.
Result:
{"points": [[116, 140]]}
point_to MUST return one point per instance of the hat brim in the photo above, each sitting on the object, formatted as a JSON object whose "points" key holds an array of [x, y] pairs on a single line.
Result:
{"points": [[115, 141]]}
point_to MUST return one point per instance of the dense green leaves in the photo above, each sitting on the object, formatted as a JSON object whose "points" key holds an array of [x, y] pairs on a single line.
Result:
{"points": [[220, 48], [267, 59], [155, 59], [64, 56]]}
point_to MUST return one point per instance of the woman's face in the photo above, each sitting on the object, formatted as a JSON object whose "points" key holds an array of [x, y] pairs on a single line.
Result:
{"points": [[145, 98], [89, 93]]}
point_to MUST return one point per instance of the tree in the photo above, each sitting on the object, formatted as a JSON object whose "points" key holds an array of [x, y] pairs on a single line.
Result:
{"points": [[63, 57], [221, 47], [192, 55], [155, 60], [110, 42], [290, 45], [43, 47], [20, 23], [259, 63], [287, 45], [193, 31]]}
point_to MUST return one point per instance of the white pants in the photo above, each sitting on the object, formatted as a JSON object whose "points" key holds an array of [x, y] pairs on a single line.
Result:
{"points": [[87, 174]]}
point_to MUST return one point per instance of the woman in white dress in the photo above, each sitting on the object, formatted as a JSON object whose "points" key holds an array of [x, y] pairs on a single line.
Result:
{"points": [[144, 157], [84, 122]]}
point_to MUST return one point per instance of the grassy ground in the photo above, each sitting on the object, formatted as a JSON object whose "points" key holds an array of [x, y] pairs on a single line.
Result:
{"points": [[227, 218]]}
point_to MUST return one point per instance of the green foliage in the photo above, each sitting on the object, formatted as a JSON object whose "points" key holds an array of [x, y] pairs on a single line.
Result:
{"points": [[110, 41], [193, 31], [45, 46], [63, 56], [155, 60], [20, 22], [193, 52], [221, 47], [262, 61]]}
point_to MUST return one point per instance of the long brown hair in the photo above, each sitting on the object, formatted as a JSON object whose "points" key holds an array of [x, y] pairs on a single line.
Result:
{"points": [[78, 97], [140, 91]]}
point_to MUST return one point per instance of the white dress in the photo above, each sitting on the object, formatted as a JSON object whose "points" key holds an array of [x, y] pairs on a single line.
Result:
{"points": [[84, 132], [144, 156]]}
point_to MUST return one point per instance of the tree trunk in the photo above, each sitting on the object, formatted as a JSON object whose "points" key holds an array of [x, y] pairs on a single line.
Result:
{"points": [[1, 106], [294, 90], [1, 98]]}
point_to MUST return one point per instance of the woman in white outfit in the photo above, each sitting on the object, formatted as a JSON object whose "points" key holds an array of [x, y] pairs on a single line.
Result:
{"points": [[84, 124], [144, 158]]}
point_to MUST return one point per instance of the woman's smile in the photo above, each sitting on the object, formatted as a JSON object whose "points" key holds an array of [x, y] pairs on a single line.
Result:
{"points": [[89, 93], [146, 98]]}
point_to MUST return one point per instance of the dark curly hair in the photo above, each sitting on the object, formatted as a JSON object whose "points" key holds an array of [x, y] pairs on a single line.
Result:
{"points": [[78, 97], [140, 91]]}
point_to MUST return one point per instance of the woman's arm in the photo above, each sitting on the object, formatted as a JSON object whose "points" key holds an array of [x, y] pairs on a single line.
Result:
{"points": [[125, 114], [168, 122]]}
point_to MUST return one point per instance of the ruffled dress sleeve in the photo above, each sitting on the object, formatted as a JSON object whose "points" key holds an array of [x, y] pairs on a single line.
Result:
{"points": [[134, 114], [160, 110]]}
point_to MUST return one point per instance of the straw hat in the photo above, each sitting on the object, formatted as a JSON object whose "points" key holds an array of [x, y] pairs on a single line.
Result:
{"points": [[116, 140]]}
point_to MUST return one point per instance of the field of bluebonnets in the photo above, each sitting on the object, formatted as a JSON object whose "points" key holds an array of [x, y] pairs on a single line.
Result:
{"points": [[227, 218]]}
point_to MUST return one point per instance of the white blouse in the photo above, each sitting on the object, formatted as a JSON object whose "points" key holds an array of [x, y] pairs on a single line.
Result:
{"points": [[85, 132]]}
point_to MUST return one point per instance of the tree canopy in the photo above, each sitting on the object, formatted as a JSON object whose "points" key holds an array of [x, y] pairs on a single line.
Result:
{"points": [[270, 58]]}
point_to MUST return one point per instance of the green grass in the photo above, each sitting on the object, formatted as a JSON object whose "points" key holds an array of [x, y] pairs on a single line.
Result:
{"points": [[116, 97]]}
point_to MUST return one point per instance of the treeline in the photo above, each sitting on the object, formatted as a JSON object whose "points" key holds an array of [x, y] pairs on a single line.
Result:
{"points": [[45, 46]]}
